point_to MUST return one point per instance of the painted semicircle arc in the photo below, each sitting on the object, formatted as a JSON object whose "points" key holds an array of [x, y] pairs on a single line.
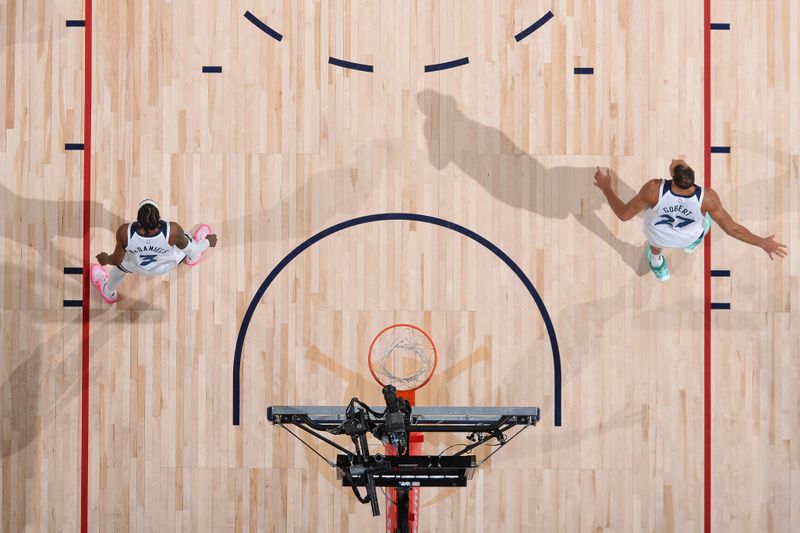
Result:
{"points": [[427, 219]]}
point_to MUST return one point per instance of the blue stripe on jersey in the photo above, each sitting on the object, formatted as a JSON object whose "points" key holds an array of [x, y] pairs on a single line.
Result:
{"points": [[695, 193]]}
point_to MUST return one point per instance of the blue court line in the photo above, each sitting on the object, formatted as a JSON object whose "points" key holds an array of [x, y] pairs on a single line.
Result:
{"points": [[73, 146], [212, 69], [73, 303], [349, 64], [248, 315], [720, 26], [262, 26], [720, 273], [533, 27], [584, 70], [720, 149], [720, 305], [76, 24], [446, 65], [73, 270]]}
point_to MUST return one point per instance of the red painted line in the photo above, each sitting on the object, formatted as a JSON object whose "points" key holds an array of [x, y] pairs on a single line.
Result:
{"points": [[707, 271], [87, 196]]}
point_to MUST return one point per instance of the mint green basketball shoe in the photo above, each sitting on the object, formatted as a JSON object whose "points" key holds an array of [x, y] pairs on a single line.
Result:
{"points": [[661, 271]]}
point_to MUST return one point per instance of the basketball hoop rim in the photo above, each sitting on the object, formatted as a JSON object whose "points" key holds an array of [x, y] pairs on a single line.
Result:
{"points": [[412, 326]]}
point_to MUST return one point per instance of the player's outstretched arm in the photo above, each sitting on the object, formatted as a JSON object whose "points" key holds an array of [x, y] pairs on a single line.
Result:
{"points": [[118, 254], [626, 211], [713, 206]]}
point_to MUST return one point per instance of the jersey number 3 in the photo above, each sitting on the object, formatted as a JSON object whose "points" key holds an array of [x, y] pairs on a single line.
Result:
{"points": [[669, 220], [147, 259]]}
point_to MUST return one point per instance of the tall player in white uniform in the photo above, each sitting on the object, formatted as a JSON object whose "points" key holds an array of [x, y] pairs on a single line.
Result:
{"points": [[678, 214], [149, 246]]}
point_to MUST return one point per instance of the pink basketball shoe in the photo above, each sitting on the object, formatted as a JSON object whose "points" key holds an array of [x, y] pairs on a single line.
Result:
{"points": [[99, 277]]}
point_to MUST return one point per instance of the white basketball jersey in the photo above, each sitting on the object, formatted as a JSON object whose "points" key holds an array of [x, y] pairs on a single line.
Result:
{"points": [[676, 221], [152, 254]]}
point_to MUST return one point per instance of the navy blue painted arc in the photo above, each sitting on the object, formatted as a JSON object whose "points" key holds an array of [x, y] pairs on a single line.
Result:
{"points": [[535, 26], [584, 70], [76, 24], [720, 273], [73, 146], [720, 149], [73, 270], [73, 303], [212, 69], [349, 64], [718, 305], [446, 65], [720, 26], [551, 332], [262, 26]]}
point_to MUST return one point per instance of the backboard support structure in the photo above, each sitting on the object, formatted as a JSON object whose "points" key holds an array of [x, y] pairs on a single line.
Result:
{"points": [[402, 358], [405, 471]]}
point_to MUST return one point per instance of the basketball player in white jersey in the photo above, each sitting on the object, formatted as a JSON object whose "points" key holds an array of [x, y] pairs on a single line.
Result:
{"points": [[148, 246], [678, 214]]}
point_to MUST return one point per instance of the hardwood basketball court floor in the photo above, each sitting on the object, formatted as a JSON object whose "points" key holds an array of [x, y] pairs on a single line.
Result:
{"points": [[675, 416]]}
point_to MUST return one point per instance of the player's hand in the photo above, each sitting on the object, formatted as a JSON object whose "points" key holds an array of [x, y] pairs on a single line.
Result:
{"points": [[103, 258], [602, 181], [212, 239], [772, 247]]}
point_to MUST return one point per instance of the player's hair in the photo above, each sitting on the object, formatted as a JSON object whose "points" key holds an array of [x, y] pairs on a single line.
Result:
{"points": [[683, 176], [148, 217]]}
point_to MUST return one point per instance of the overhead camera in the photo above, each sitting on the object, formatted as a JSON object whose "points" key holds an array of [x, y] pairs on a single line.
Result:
{"points": [[397, 418]]}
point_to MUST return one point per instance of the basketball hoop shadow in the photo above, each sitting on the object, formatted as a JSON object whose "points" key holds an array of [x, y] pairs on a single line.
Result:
{"points": [[353, 379]]}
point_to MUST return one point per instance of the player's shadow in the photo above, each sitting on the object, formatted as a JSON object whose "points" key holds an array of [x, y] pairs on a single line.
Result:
{"points": [[41, 238], [31, 280], [67, 210], [31, 404], [39, 392], [524, 183], [443, 375], [35, 213], [299, 213]]}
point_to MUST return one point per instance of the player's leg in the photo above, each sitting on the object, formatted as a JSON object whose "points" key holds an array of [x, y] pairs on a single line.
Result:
{"points": [[115, 277], [657, 262]]}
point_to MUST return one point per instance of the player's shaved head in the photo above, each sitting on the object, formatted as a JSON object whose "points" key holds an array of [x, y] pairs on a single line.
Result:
{"points": [[683, 176]]}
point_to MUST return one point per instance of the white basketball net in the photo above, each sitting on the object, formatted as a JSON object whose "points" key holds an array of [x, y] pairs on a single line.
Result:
{"points": [[402, 356]]}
